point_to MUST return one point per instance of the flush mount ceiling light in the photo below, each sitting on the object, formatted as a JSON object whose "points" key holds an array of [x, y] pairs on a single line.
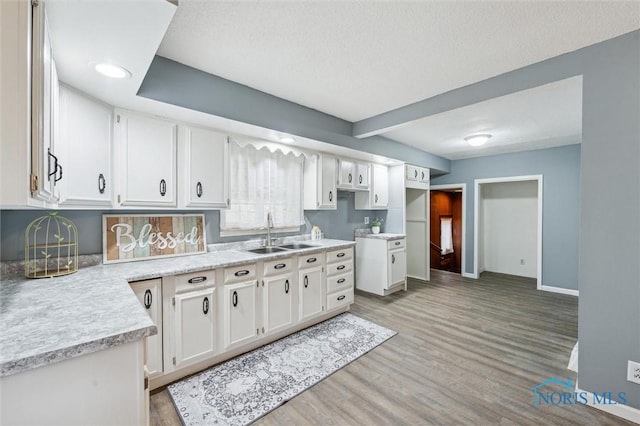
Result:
{"points": [[111, 70], [477, 140], [287, 139]]}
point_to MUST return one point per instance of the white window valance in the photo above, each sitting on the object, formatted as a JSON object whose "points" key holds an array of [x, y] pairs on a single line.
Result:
{"points": [[263, 181]]}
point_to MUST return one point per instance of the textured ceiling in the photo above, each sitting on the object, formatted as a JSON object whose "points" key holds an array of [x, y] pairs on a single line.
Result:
{"points": [[543, 117], [358, 59]]}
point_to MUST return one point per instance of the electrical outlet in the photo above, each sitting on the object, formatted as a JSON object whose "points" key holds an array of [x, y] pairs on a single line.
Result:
{"points": [[633, 372], [366, 220], [522, 261]]}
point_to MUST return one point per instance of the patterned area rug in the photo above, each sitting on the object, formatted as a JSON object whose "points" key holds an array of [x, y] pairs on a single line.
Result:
{"points": [[246, 388]]}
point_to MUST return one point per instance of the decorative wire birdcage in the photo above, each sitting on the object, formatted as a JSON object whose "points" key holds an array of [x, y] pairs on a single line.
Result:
{"points": [[50, 247]]}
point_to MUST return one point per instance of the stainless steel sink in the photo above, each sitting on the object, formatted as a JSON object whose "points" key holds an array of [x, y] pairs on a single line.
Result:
{"points": [[266, 250], [294, 246]]}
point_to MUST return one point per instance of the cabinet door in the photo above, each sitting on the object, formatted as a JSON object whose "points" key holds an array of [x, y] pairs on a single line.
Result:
{"points": [[380, 187], [328, 195], [411, 172], [150, 296], [240, 313], [397, 267], [423, 175], [46, 169], [85, 150], [195, 326], [346, 174], [310, 293], [278, 303], [207, 167], [148, 155], [362, 176]]}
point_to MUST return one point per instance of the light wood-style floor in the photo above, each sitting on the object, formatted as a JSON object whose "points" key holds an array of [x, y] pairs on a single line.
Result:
{"points": [[467, 352]]}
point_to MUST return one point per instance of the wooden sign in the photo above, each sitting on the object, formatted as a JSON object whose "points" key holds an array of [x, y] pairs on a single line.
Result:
{"points": [[140, 237]]}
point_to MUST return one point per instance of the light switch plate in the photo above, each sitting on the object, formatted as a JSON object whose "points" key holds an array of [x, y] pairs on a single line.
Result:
{"points": [[366, 220]]}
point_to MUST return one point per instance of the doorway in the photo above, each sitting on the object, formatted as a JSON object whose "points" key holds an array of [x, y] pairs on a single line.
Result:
{"points": [[446, 250], [508, 226]]}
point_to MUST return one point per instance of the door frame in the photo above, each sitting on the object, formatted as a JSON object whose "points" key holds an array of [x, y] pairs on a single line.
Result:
{"points": [[464, 222], [477, 183]]}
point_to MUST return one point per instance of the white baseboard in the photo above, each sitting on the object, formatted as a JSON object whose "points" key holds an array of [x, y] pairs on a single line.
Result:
{"points": [[560, 290], [470, 275], [624, 411]]}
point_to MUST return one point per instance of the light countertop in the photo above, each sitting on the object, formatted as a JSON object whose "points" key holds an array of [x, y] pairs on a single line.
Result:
{"points": [[52, 319]]}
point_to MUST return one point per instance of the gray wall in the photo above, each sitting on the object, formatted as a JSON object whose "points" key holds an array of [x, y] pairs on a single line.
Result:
{"points": [[560, 168], [172, 82], [338, 224], [609, 307]]}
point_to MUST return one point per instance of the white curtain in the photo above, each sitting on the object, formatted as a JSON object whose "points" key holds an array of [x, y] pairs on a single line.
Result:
{"points": [[263, 181], [446, 235]]}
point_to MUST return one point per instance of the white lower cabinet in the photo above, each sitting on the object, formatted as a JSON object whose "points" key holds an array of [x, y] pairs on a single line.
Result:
{"points": [[239, 313], [195, 326], [277, 295], [278, 303], [211, 315], [376, 276], [150, 296], [339, 278], [311, 297]]}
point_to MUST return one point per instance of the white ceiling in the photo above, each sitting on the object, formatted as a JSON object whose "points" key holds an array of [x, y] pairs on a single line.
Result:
{"points": [[543, 117], [352, 60]]}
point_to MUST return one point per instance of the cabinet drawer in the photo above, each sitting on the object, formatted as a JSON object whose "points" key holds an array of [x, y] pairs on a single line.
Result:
{"points": [[195, 281], [239, 273], [339, 299], [339, 282], [396, 244], [310, 260], [277, 267], [339, 268], [339, 255]]}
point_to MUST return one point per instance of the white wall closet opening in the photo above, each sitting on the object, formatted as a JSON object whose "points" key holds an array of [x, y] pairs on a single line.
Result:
{"points": [[508, 226]]}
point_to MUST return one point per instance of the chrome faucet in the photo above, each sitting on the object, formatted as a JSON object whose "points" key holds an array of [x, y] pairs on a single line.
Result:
{"points": [[269, 242]]}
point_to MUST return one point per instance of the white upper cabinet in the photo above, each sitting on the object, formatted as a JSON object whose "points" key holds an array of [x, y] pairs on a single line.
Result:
{"points": [[147, 160], [353, 175], [320, 183], [46, 168], [346, 174], [84, 147], [205, 171], [362, 176], [377, 198], [416, 177]]}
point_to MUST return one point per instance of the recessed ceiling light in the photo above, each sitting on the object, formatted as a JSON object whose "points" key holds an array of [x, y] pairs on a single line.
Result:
{"points": [[111, 70], [287, 139], [477, 140]]}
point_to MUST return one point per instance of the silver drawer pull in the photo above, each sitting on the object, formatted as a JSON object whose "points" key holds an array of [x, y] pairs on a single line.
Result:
{"points": [[341, 280], [397, 243], [340, 254], [341, 267], [341, 297], [197, 280], [280, 266], [242, 273], [311, 260]]}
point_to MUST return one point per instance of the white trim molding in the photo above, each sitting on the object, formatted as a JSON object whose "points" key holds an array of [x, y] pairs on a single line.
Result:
{"points": [[476, 202], [569, 291], [623, 411], [462, 186]]}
